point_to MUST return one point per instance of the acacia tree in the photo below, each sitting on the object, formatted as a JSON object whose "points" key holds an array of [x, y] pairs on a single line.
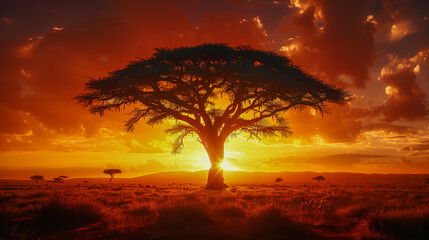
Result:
{"points": [[112, 173], [319, 178], [212, 91], [37, 178], [58, 180], [278, 180]]}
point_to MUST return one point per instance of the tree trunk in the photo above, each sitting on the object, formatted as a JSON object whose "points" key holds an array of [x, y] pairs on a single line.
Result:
{"points": [[215, 152], [111, 178]]}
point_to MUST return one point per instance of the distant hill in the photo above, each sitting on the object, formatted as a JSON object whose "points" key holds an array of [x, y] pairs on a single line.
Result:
{"points": [[235, 177], [288, 177], [269, 177]]}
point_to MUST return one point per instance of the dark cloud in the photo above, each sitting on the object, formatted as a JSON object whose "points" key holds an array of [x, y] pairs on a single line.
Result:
{"points": [[41, 75], [332, 39], [403, 26], [423, 146], [49, 173], [339, 125], [347, 160], [406, 99], [390, 128]]}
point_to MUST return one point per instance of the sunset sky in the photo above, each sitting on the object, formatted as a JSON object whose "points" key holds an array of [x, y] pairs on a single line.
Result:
{"points": [[377, 49]]}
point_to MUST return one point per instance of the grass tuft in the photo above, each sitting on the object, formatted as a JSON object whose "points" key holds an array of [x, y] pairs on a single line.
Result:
{"points": [[402, 224], [60, 213], [183, 216]]}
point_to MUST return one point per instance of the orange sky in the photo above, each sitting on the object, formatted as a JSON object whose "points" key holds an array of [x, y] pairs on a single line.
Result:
{"points": [[377, 49]]}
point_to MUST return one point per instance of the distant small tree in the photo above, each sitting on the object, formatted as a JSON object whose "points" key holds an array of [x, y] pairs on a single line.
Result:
{"points": [[278, 180], [112, 173], [58, 180], [427, 180], [319, 178], [37, 178]]}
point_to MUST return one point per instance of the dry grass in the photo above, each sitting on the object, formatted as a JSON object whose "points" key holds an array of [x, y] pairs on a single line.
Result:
{"points": [[187, 211]]}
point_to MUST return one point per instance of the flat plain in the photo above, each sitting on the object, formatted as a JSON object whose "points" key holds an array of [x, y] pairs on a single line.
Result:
{"points": [[88, 210]]}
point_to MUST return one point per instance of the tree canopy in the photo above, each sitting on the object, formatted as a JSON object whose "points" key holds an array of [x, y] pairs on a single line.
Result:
{"points": [[37, 178], [112, 171]]}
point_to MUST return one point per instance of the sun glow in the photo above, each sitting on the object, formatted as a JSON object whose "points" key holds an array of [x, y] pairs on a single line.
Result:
{"points": [[226, 166]]}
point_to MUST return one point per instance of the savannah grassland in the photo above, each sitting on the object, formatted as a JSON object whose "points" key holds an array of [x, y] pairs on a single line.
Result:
{"points": [[187, 211]]}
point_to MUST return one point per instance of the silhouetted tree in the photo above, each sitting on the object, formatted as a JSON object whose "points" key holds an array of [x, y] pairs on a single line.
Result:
{"points": [[212, 91], [37, 178], [427, 180], [112, 173], [278, 180], [319, 178], [58, 180]]}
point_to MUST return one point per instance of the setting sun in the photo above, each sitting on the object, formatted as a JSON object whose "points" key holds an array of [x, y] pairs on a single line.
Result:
{"points": [[226, 166]]}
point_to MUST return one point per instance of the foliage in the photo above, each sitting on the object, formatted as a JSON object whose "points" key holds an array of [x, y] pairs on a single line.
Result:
{"points": [[186, 84], [278, 180], [37, 178], [112, 171], [319, 178]]}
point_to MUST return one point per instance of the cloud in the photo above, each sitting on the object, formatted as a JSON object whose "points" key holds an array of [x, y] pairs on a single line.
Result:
{"points": [[406, 99], [347, 160], [233, 29], [332, 39], [40, 75], [13, 122], [404, 20], [7, 20], [339, 125], [49, 173], [150, 167], [423, 146], [390, 128]]}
